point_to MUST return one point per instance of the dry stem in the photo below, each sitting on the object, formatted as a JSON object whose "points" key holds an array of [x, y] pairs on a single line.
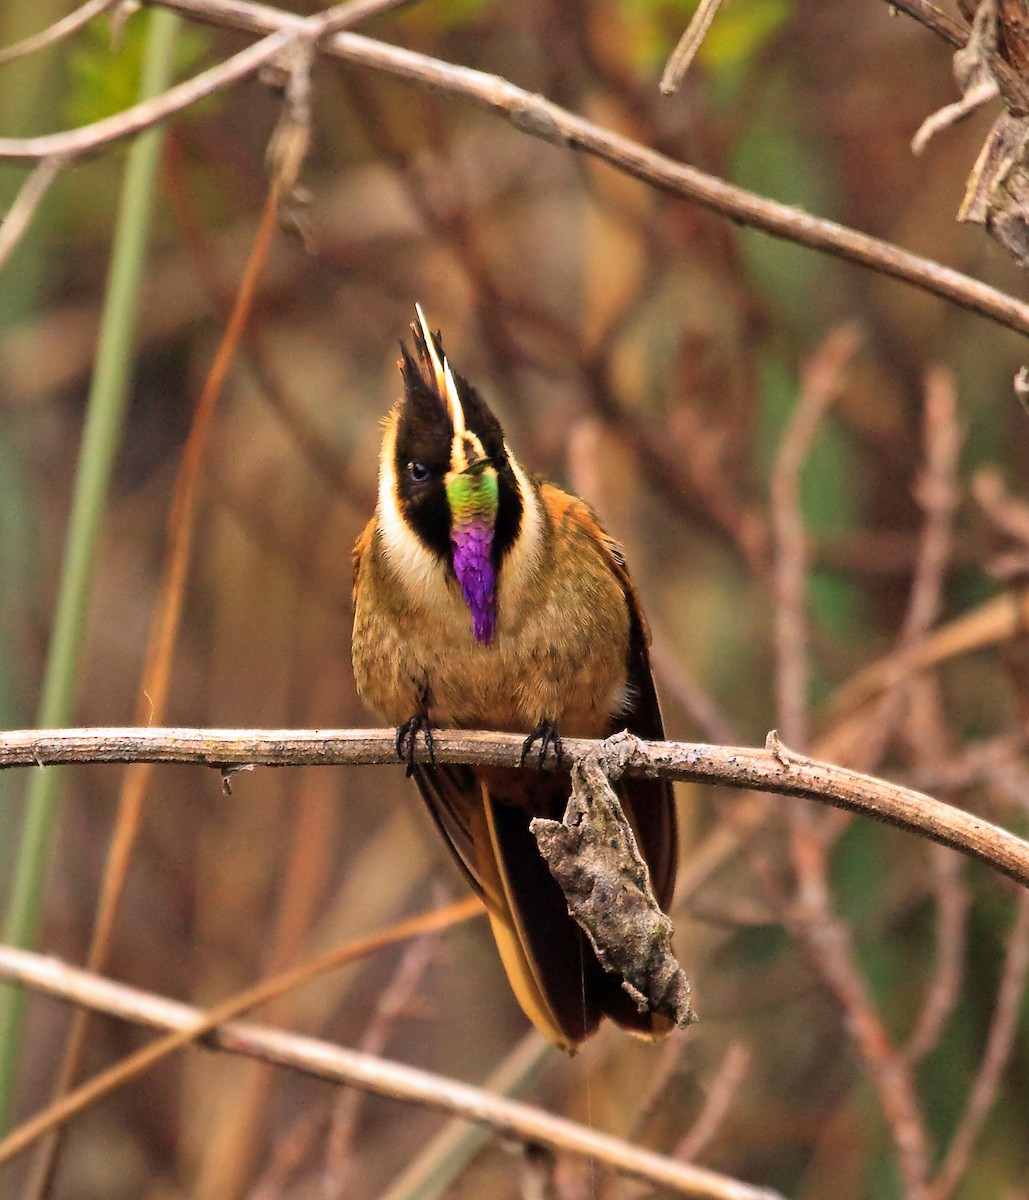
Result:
{"points": [[338, 1064], [766, 770]]}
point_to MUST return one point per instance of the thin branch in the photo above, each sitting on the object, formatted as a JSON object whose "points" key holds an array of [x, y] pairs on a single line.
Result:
{"points": [[63, 28], [951, 934], [290, 1149], [822, 380], [345, 16], [928, 739], [721, 1091], [932, 18], [992, 623], [687, 46], [59, 1111], [999, 1045], [679, 683], [950, 114], [1009, 513], [392, 1003], [938, 495], [812, 919], [338, 1064], [772, 770], [540, 118], [829, 943], [26, 202], [157, 668], [90, 138], [700, 454]]}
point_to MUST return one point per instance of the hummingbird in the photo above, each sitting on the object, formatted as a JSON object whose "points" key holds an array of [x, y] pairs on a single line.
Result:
{"points": [[487, 598]]}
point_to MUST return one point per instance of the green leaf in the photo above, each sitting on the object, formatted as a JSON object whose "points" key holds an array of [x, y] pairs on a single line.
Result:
{"points": [[106, 73]]}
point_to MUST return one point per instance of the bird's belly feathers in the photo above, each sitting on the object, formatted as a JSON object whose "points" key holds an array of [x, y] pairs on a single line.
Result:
{"points": [[555, 658]]}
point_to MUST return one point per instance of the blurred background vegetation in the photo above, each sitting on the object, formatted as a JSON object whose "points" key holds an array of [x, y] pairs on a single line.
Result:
{"points": [[645, 353]]}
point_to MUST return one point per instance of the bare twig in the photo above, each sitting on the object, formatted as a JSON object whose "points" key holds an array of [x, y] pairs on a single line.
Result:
{"points": [[1007, 512], [944, 988], [936, 491], [395, 1080], [819, 929], [991, 623], [822, 380], [539, 117], [928, 740], [26, 202], [391, 1004], [63, 28], [828, 943], [999, 1044], [678, 681], [687, 46], [933, 18], [532, 114], [352, 12], [61, 1110], [700, 454], [90, 138], [289, 1151], [927, 734], [979, 94], [720, 1093], [731, 766], [160, 655], [323, 456]]}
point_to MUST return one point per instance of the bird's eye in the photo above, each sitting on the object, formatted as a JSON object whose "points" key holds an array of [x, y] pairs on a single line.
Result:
{"points": [[418, 472]]}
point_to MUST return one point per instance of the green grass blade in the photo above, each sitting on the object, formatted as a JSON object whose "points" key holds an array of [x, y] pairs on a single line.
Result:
{"points": [[101, 436]]}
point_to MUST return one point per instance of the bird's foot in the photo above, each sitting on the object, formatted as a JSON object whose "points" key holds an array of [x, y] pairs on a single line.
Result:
{"points": [[407, 737], [546, 734]]}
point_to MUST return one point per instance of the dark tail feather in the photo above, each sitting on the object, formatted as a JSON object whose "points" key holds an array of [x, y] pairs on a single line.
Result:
{"points": [[540, 946], [544, 951]]}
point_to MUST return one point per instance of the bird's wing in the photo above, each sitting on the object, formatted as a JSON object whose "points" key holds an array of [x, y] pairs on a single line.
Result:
{"points": [[450, 793], [360, 549], [649, 804]]}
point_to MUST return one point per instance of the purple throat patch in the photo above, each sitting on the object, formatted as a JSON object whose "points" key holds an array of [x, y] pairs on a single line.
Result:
{"points": [[473, 566]]}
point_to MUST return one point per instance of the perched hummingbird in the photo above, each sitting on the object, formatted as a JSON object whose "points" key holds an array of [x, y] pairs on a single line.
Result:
{"points": [[485, 598]]}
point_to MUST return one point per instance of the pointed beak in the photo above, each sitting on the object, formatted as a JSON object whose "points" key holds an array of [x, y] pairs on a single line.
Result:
{"points": [[476, 465]]}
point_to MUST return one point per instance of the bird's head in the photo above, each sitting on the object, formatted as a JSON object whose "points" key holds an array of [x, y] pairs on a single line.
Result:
{"points": [[451, 476]]}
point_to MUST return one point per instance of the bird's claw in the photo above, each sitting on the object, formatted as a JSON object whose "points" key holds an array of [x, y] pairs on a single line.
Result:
{"points": [[407, 739], [546, 734]]}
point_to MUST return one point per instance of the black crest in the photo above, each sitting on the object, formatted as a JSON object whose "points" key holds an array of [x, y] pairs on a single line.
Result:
{"points": [[422, 454]]}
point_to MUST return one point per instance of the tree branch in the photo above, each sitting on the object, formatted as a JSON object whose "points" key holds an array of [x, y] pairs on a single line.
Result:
{"points": [[338, 1064], [90, 138], [773, 769], [63, 28], [27, 201], [535, 115], [933, 18]]}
